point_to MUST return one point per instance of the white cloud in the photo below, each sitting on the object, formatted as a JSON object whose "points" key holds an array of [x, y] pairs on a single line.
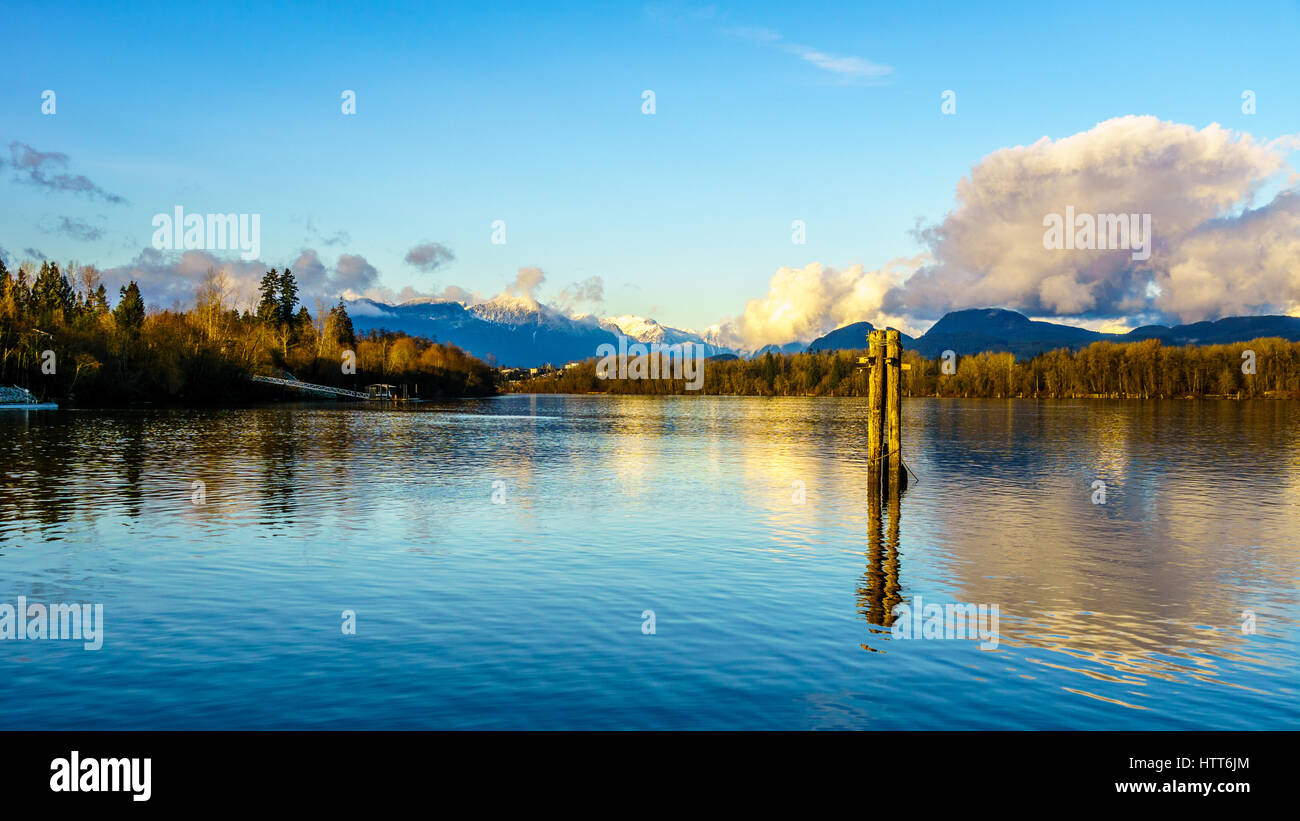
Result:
{"points": [[1194, 183], [1240, 265], [845, 68], [849, 68], [805, 303]]}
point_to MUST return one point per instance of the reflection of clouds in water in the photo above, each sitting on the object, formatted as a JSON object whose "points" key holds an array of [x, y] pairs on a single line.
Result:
{"points": [[1110, 433], [1117, 649], [1110, 604], [820, 447], [631, 455], [1193, 527], [770, 474]]}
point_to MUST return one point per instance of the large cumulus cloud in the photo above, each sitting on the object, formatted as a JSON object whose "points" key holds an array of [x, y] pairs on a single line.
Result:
{"points": [[989, 249], [1215, 250], [1240, 265], [804, 303]]}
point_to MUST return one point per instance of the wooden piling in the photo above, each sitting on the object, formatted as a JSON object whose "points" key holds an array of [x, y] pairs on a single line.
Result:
{"points": [[894, 407], [875, 406], [886, 478]]}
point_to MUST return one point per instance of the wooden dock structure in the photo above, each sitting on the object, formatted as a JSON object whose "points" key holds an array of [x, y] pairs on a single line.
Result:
{"points": [[885, 472]]}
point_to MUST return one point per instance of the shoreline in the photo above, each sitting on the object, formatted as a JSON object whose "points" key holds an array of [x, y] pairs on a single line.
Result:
{"points": [[1270, 396], [1290, 396]]}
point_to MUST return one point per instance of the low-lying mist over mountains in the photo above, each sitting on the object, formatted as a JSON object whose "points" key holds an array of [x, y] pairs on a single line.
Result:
{"points": [[519, 331]]}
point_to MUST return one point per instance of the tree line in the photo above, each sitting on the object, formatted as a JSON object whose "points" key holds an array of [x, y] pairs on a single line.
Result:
{"points": [[1146, 370], [62, 339]]}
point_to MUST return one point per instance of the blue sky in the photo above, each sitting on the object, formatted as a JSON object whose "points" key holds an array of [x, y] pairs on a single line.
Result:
{"points": [[531, 113]]}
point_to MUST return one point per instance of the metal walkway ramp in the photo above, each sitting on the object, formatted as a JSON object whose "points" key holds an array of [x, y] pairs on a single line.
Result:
{"points": [[307, 386]]}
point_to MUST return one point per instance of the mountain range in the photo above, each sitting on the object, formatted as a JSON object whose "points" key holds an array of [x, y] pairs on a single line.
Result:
{"points": [[518, 331], [996, 329]]}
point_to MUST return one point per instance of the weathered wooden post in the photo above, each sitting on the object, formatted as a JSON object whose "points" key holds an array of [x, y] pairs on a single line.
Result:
{"points": [[894, 406], [875, 406]]}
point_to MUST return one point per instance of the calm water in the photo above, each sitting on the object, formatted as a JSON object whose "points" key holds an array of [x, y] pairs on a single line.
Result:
{"points": [[528, 613]]}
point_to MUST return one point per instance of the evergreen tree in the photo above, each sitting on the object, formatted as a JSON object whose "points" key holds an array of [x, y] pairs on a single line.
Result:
{"points": [[303, 328], [347, 336], [53, 297], [288, 296], [21, 288], [129, 313], [97, 302], [268, 307]]}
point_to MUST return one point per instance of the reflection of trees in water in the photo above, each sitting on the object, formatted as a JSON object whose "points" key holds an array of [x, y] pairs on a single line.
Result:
{"points": [[1194, 526], [21, 454], [133, 449], [42, 452], [277, 447], [58, 468], [880, 591]]}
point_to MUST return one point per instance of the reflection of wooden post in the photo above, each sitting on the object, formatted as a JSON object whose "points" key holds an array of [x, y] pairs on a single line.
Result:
{"points": [[874, 546], [890, 588], [871, 595], [879, 593], [894, 405], [875, 403]]}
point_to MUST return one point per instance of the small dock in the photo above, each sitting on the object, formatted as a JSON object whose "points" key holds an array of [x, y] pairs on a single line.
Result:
{"points": [[16, 398]]}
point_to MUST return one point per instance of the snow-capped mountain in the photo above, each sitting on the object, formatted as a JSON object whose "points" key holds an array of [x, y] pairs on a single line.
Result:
{"points": [[517, 331], [644, 329], [524, 311]]}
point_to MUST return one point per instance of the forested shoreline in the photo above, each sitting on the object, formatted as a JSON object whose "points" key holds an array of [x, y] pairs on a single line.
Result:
{"points": [[1147, 370], [64, 339], [61, 338]]}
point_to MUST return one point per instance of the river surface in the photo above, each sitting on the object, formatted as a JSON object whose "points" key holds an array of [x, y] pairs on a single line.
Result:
{"points": [[640, 562]]}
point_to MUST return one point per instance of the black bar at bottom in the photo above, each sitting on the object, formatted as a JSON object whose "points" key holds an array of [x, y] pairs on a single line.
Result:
{"points": [[334, 769]]}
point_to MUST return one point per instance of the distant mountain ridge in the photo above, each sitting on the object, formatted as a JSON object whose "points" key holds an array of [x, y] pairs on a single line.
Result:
{"points": [[508, 331], [851, 337], [789, 347], [999, 330], [517, 331], [644, 329]]}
